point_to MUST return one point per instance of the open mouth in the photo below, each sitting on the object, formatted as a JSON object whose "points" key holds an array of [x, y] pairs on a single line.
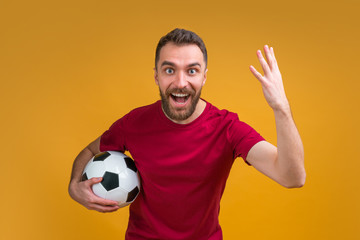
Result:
{"points": [[180, 98]]}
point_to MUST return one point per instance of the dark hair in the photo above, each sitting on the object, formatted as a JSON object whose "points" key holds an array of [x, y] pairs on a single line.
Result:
{"points": [[181, 37]]}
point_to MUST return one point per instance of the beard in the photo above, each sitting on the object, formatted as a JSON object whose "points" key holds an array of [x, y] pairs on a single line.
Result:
{"points": [[179, 113]]}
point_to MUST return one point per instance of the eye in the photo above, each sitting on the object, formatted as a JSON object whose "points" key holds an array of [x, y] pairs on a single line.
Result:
{"points": [[192, 71], [169, 70]]}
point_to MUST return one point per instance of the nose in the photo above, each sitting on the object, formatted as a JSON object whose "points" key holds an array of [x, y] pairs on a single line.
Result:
{"points": [[180, 80]]}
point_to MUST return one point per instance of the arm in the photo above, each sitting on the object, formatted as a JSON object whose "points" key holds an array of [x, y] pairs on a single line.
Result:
{"points": [[82, 191], [284, 164]]}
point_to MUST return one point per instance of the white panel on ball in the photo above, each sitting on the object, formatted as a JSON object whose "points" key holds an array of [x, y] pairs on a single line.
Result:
{"points": [[124, 177], [117, 195], [96, 169], [123, 204], [99, 190], [114, 163]]}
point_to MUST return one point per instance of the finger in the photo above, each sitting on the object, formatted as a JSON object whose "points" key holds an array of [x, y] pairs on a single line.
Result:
{"points": [[263, 63], [273, 54], [269, 56], [103, 209], [93, 181], [257, 74], [104, 202], [96, 199]]}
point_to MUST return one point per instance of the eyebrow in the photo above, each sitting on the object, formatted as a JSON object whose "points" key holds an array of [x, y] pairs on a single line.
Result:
{"points": [[167, 63], [173, 64]]}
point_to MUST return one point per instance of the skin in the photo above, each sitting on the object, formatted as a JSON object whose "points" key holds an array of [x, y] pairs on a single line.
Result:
{"points": [[82, 191], [183, 67], [284, 164]]}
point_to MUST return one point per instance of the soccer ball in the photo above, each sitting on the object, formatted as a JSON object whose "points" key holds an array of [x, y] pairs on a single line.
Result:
{"points": [[121, 181]]}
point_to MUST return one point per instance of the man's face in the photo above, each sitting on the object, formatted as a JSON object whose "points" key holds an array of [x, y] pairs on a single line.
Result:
{"points": [[180, 75]]}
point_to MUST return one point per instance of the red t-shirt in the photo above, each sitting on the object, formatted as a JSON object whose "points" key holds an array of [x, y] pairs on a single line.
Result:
{"points": [[183, 169]]}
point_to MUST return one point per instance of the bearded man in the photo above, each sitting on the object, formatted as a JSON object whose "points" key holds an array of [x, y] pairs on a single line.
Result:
{"points": [[184, 147]]}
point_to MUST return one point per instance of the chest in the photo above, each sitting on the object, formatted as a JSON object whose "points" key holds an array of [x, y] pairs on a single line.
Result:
{"points": [[170, 158]]}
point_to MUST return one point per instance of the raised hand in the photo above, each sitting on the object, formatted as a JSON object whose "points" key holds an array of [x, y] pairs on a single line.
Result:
{"points": [[284, 163], [271, 82]]}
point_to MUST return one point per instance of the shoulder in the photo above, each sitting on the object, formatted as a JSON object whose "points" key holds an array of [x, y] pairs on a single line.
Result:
{"points": [[142, 115], [223, 120], [144, 112], [228, 120], [223, 114], [145, 109]]}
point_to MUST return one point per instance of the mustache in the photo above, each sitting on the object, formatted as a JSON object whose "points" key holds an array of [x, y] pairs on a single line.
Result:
{"points": [[180, 90]]}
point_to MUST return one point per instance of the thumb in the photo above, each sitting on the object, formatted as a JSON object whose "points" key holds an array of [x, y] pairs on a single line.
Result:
{"points": [[94, 180]]}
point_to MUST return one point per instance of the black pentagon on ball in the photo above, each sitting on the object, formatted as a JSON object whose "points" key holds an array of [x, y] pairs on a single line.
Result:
{"points": [[101, 156], [132, 194], [110, 181], [84, 177], [130, 164]]}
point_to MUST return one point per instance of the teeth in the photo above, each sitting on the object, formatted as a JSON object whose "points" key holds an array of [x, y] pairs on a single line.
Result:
{"points": [[180, 94]]}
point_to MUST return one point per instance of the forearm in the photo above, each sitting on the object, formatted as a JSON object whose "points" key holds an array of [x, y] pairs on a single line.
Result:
{"points": [[79, 164], [290, 160], [284, 164], [83, 158], [81, 191]]}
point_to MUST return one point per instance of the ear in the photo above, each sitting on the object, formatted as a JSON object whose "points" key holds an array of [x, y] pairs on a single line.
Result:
{"points": [[156, 77], [205, 76]]}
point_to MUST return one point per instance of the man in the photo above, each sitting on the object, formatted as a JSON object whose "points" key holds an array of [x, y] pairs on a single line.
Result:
{"points": [[184, 147]]}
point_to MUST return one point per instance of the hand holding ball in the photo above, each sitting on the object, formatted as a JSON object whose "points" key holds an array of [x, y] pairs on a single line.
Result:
{"points": [[121, 181]]}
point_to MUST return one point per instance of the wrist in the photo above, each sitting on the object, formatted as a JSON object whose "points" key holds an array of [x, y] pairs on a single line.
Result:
{"points": [[72, 184], [282, 109]]}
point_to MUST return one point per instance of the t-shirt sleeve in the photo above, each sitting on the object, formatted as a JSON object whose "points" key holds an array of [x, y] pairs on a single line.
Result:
{"points": [[114, 138], [242, 137]]}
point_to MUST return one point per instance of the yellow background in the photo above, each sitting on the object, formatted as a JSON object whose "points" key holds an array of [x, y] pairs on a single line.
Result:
{"points": [[68, 69]]}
